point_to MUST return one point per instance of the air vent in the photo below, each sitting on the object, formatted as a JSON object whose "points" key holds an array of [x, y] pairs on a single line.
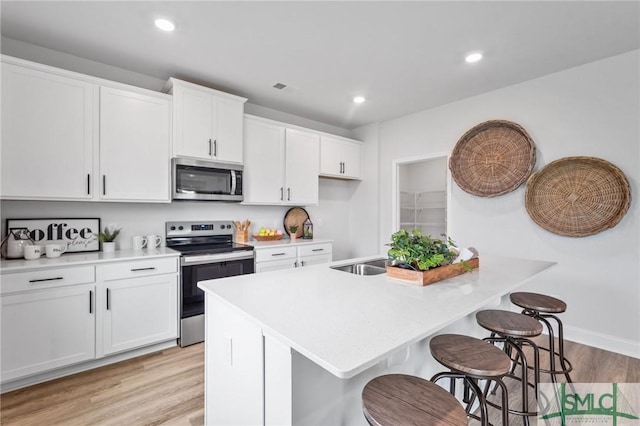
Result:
{"points": [[279, 86]]}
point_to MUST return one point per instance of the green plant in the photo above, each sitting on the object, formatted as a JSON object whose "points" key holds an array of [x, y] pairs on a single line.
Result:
{"points": [[109, 234], [421, 252], [293, 228]]}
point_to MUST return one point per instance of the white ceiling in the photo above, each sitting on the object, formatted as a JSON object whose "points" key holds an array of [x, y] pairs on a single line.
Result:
{"points": [[403, 56]]}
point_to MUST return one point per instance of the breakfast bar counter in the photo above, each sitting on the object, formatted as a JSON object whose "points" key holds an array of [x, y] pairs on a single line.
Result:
{"points": [[297, 346]]}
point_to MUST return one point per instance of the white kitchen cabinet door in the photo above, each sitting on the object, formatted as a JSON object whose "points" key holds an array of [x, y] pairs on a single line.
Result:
{"points": [[135, 136], [138, 311], [228, 131], [314, 260], [47, 329], [302, 166], [339, 158], [263, 178], [208, 123], [194, 123], [276, 265], [47, 135]]}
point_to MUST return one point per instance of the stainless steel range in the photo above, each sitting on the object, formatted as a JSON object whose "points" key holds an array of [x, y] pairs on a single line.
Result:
{"points": [[207, 252]]}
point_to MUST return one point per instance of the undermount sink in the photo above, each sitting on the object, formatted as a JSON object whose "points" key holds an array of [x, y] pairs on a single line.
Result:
{"points": [[372, 267]]}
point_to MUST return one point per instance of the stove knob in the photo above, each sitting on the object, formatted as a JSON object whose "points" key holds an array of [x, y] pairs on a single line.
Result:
{"points": [[180, 228], [173, 228], [221, 226], [228, 226]]}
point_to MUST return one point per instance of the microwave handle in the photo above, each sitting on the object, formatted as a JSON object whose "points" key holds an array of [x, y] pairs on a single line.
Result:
{"points": [[233, 182]]}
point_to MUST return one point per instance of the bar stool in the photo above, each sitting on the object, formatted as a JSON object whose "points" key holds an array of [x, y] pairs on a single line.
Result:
{"points": [[513, 330], [472, 359], [398, 399], [542, 308]]}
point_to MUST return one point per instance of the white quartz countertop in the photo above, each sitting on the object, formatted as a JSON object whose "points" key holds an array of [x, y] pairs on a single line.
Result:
{"points": [[72, 259], [347, 323], [286, 242]]}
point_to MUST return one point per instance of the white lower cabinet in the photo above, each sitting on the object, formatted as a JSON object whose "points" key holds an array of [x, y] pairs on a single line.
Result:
{"points": [[57, 317], [47, 329], [292, 256], [139, 312]]}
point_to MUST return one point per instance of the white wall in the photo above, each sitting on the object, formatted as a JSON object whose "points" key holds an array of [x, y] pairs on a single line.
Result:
{"points": [[591, 110], [364, 219], [143, 219]]}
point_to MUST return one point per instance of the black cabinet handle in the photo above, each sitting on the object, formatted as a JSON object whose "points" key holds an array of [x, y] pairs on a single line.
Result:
{"points": [[209, 147], [288, 194], [278, 254], [104, 184], [88, 184], [151, 268], [281, 194], [302, 262], [90, 301], [108, 299], [317, 250], [215, 147], [46, 279]]}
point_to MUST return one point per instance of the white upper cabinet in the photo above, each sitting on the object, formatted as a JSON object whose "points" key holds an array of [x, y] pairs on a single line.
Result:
{"points": [[134, 153], [281, 165], [263, 178], [302, 155], [340, 157], [68, 136], [207, 123], [47, 135]]}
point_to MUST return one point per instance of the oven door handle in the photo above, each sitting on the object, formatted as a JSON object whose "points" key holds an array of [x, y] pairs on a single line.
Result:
{"points": [[213, 258]]}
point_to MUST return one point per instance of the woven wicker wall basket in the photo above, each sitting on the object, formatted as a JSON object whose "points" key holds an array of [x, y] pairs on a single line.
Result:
{"points": [[578, 196], [493, 158]]}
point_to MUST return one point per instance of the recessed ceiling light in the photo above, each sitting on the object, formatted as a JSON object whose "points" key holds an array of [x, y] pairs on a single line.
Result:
{"points": [[359, 99], [473, 57], [165, 25]]}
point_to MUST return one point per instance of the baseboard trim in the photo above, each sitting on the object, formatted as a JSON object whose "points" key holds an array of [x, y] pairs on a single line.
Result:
{"points": [[89, 365], [602, 341]]}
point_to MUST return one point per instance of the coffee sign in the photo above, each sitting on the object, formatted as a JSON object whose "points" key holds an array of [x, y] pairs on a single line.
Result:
{"points": [[79, 234]]}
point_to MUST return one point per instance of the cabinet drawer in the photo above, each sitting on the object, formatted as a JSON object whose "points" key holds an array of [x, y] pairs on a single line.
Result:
{"points": [[139, 268], [315, 249], [275, 253], [46, 278]]}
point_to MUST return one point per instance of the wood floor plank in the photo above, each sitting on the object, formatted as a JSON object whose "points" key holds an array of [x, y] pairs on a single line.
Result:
{"points": [[167, 388]]}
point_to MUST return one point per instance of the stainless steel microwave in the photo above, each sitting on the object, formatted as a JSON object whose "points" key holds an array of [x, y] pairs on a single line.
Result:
{"points": [[206, 180]]}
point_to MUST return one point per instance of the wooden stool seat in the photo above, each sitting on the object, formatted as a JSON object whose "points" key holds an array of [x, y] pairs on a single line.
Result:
{"points": [[538, 302], [398, 399], [509, 323], [468, 355]]}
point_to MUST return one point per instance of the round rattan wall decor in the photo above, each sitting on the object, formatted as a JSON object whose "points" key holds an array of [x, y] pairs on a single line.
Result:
{"points": [[493, 158], [578, 196]]}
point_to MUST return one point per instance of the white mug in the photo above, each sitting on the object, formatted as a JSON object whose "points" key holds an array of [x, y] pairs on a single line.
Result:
{"points": [[32, 252], [139, 242], [153, 241], [55, 250]]}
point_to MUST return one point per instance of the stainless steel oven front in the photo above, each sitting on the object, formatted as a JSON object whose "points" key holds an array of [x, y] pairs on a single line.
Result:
{"points": [[196, 268]]}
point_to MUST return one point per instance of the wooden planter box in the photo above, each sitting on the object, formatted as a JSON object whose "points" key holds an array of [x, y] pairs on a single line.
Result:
{"points": [[432, 275]]}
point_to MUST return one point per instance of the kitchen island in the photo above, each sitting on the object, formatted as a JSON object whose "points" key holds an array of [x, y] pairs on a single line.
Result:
{"points": [[297, 346]]}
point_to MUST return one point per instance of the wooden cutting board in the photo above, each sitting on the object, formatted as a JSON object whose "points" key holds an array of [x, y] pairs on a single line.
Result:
{"points": [[295, 216]]}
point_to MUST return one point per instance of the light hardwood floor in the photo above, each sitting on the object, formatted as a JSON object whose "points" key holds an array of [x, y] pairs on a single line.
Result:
{"points": [[168, 388]]}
